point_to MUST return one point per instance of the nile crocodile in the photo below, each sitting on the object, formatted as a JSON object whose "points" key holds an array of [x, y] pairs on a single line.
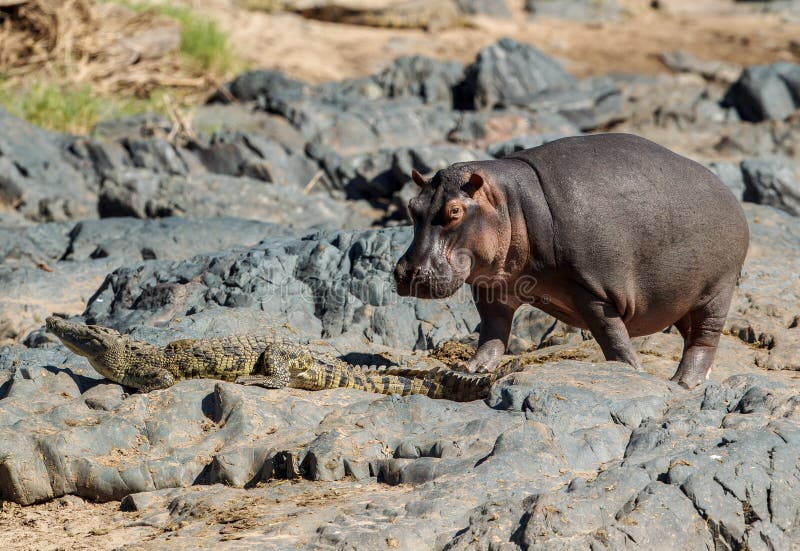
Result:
{"points": [[257, 360]]}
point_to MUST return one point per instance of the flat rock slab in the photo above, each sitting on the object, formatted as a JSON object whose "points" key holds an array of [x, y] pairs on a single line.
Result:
{"points": [[57, 267]]}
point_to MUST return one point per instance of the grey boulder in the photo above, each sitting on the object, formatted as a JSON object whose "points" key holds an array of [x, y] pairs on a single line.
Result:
{"points": [[39, 178], [772, 182], [510, 73], [766, 92]]}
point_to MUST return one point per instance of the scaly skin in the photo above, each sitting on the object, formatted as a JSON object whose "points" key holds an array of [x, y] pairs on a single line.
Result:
{"points": [[255, 360]]}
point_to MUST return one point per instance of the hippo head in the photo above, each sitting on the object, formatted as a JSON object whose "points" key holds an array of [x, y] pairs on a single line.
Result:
{"points": [[457, 232]]}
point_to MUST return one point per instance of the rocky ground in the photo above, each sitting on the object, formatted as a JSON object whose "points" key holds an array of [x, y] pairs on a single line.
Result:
{"points": [[281, 210]]}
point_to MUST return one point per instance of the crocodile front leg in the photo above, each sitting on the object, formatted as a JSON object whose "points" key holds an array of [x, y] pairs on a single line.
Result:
{"points": [[146, 378], [275, 366]]}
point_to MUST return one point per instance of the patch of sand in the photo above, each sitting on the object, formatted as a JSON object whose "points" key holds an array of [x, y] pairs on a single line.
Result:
{"points": [[319, 51]]}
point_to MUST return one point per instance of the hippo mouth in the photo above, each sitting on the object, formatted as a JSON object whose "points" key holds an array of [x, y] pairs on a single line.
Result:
{"points": [[438, 276], [430, 288]]}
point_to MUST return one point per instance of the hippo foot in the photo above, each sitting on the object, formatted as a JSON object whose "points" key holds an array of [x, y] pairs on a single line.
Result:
{"points": [[471, 367], [689, 380], [482, 362], [695, 365]]}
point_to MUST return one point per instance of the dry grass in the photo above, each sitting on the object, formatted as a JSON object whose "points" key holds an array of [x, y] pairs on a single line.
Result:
{"points": [[65, 64]]}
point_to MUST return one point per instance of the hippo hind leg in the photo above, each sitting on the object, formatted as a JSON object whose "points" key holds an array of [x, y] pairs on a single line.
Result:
{"points": [[607, 327], [701, 329]]}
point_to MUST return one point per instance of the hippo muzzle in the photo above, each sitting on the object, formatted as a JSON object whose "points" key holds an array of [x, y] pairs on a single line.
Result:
{"points": [[425, 272]]}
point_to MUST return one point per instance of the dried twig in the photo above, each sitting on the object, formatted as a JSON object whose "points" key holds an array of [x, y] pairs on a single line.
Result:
{"points": [[311, 183], [181, 126]]}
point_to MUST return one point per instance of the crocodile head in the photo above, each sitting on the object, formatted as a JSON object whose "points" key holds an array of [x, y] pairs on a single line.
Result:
{"points": [[103, 347]]}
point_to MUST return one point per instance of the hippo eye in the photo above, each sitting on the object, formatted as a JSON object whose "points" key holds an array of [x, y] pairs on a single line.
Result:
{"points": [[455, 211]]}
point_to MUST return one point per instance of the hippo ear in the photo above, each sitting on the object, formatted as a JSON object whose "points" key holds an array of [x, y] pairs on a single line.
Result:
{"points": [[418, 178], [474, 184]]}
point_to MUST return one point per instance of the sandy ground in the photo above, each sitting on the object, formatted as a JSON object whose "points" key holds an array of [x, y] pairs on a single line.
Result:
{"points": [[709, 29]]}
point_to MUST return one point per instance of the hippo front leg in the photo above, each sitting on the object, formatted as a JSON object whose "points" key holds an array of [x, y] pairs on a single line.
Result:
{"points": [[607, 327], [496, 318]]}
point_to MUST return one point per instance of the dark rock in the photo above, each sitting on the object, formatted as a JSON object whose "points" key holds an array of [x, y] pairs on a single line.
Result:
{"points": [[360, 127], [368, 175], [529, 330], [156, 154], [523, 392], [683, 62], [731, 176], [56, 267], [143, 194], [766, 92], [215, 117], [563, 454], [579, 10], [553, 476], [353, 141], [772, 182], [763, 310], [507, 124], [134, 127], [749, 140], [165, 238], [592, 103], [429, 79], [251, 155], [262, 85], [37, 176], [13, 219], [382, 173], [34, 245], [669, 106], [500, 150], [510, 73], [430, 159], [272, 152]]}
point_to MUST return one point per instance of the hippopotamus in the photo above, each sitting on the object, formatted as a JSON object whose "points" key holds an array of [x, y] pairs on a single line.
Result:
{"points": [[611, 233]]}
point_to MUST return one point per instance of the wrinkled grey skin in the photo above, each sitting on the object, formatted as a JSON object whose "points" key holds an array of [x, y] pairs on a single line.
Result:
{"points": [[610, 233]]}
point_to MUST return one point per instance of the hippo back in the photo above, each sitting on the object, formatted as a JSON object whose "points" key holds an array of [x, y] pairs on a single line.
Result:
{"points": [[635, 221]]}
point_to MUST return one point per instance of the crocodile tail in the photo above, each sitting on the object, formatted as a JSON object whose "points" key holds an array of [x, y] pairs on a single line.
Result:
{"points": [[338, 376], [448, 383], [416, 372], [465, 387], [404, 386]]}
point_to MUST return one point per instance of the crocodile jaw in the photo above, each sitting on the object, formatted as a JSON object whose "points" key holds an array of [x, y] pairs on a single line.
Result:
{"points": [[90, 341]]}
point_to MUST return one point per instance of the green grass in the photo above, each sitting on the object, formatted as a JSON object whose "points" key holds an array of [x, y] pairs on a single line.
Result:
{"points": [[69, 109], [201, 40], [203, 43]]}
